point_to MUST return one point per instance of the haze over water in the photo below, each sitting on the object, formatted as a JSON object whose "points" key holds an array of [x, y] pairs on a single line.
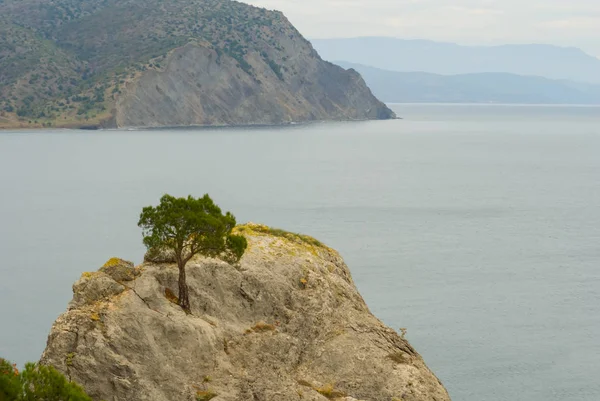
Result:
{"points": [[477, 228]]}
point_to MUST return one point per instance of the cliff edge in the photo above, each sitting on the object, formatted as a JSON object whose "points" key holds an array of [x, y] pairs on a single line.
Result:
{"points": [[287, 323]]}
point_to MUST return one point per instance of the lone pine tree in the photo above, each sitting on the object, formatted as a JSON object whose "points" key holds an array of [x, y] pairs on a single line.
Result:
{"points": [[190, 226]]}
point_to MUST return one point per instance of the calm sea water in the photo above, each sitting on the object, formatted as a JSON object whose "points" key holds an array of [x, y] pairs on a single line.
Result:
{"points": [[475, 227]]}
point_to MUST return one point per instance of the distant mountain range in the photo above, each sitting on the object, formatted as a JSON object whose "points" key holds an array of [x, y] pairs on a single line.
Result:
{"points": [[392, 54], [422, 87]]}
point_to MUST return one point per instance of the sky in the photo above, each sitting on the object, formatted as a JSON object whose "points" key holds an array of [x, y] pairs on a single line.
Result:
{"points": [[470, 22]]}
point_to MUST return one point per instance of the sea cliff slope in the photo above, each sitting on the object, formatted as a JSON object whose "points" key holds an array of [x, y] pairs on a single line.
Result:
{"points": [[287, 323]]}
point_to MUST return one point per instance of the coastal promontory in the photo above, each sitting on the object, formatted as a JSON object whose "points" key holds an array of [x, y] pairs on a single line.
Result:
{"points": [[284, 323], [154, 63]]}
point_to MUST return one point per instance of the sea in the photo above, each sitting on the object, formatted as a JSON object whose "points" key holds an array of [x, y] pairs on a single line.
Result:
{"points": [[475, 227]]}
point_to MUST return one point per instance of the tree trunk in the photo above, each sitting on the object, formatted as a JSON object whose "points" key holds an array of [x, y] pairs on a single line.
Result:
{"points": [[184, 298]]}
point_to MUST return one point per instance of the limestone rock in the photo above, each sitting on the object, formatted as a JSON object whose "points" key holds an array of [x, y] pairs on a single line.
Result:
{"points": [[286, 324], [94, 287], [120, 270]]}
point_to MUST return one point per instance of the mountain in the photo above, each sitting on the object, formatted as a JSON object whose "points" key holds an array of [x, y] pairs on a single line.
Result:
{"points": [[287, 323], [447, 58], [422, 87], [162, 63]]}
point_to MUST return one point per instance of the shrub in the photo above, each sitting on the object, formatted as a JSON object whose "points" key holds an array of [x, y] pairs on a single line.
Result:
{"points": [[9, 381], [37, 382], [276, 69]]}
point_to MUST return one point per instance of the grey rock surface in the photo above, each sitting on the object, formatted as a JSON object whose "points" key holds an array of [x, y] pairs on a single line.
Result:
{"points": [[286, 324], [285, 83], [120, 270]]}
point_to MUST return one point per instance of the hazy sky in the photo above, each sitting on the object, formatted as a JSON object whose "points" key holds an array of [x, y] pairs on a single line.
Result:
{"points": [[560, 22]]}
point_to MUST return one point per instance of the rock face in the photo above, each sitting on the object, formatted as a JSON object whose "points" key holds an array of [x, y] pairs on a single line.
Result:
{"points": [[286, 324], [200, 87]]}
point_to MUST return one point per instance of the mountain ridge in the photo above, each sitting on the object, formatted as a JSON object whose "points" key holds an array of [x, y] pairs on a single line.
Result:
{"points": [[423, 87], [549, 61]]}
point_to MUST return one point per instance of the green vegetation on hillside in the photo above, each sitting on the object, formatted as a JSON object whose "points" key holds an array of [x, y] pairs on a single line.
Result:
{"points": [[66, 62]]}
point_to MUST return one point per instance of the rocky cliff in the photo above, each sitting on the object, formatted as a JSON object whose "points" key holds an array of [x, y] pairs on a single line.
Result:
{"points": [[119, 63], [286, 324], [199, 87]]}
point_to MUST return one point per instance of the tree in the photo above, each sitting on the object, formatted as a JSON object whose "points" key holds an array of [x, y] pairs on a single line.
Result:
{"points": [[10, 385], [188, 227], [37, 382]]}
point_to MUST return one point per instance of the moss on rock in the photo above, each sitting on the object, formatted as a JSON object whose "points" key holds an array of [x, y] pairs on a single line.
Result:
{"points": [[120, 270]]}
